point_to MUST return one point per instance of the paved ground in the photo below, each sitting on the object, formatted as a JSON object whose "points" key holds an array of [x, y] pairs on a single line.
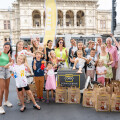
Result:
{"points": [[53, 111]]}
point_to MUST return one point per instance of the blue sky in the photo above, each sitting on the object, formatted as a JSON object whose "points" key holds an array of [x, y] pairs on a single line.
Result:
{"points": [[104, 4]]}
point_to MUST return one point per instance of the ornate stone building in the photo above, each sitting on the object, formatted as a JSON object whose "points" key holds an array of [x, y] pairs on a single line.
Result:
{"points": [[27, 17]]}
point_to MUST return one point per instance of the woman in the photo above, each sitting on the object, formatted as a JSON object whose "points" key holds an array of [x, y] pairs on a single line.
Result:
{"points": [[5, 58], [48, 49], [61, 52], [113, 51], [118, 46], [34, 45], [108, 60]]}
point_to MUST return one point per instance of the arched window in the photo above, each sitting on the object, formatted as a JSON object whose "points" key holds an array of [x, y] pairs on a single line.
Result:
{"points": [[69, 18], [80, 18], [36, 18], [60, 18]]}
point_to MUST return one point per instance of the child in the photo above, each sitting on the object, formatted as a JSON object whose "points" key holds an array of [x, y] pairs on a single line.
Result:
{"points": [[101, 71], [38, 70], [92, 60], [41, 49], [51, 82], [53, 58], [21, 80], [80, 60]]}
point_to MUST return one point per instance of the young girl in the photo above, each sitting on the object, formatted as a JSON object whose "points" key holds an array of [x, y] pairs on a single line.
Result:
{"points": [[50, 83], [80, 60], [101, 71], [38, 70], [53, 58], [21, 80], [19, 50]]}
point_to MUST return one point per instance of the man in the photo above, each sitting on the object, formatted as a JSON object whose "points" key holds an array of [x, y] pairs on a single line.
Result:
{"points": [[72, 51], [113, 51]]}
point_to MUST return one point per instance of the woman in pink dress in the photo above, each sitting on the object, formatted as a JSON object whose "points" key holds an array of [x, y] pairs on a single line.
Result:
{"points": [[50, 82]]}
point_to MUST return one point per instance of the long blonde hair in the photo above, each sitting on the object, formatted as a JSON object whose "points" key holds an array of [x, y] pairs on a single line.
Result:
{"points": [[17, 48]]}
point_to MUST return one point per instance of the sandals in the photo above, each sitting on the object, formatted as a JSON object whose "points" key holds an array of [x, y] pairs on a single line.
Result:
{"points": [[23, 109], [36, 107], [42, 99]]}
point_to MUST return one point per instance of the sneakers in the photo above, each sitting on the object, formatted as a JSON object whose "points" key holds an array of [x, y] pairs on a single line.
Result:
{"points": [[8, 104], [2, 111]]}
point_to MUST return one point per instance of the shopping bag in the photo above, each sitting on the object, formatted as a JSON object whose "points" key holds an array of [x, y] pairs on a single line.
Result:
{"points": [[88, 98], [61, 95], [74, 95], [103, 102], [115, 102]]}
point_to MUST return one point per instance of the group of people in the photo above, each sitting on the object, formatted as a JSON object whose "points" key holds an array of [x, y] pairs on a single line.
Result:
{"points": [[98, 60]]}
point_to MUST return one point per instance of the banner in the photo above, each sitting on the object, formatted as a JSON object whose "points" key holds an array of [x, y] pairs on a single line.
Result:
{"points": [[51, 20]]}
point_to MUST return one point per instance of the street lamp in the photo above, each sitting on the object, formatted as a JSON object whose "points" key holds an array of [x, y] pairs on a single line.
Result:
{"points": [[10, 38]]}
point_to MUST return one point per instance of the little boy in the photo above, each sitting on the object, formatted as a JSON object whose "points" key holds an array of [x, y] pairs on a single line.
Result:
{"points": [[92, 60], [38, 69]]}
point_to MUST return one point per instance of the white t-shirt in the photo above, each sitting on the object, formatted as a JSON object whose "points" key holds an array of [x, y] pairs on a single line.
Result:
{"points": [[81, 62], [19, 75], [74, 49], [101, 70], [91, 65]]}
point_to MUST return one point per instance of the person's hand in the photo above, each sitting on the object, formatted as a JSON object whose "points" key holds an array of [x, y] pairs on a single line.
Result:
{"points": [[45, 45], [25, 64], [34, 61], [11, 64], [97, 44], [111, 35], [0, 53]]}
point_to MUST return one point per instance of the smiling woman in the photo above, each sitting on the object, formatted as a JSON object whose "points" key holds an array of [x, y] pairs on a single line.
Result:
{"points": [[5, 58]]}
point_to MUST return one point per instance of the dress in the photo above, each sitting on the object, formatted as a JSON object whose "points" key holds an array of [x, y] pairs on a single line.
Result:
{"points": [[118, 69], [50, 82], [106, 59]]}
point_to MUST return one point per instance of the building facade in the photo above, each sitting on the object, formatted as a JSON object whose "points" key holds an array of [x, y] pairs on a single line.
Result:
{"points": [[27, 18]]}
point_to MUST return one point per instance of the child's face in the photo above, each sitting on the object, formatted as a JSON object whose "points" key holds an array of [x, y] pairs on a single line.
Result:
{"points": [[40, 48], [100, 63], [52, 54], [38, 55], [20, 59], [92, 53], [49, 66], [79, 54]]}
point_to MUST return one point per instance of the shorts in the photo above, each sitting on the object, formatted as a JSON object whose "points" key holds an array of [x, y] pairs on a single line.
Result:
{"points": [[91, 73], [4, 73], [26, 88], [101, 80]]}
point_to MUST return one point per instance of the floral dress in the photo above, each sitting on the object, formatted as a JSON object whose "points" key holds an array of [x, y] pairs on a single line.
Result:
{"points": [[106, 59]]}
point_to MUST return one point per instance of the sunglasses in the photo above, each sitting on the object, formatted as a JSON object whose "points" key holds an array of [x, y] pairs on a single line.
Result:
{"points": [[61, 42]]}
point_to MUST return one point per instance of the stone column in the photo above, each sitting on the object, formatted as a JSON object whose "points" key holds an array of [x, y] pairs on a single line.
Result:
{"points": [[75, 18], [42, 19], [64, 19]]}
